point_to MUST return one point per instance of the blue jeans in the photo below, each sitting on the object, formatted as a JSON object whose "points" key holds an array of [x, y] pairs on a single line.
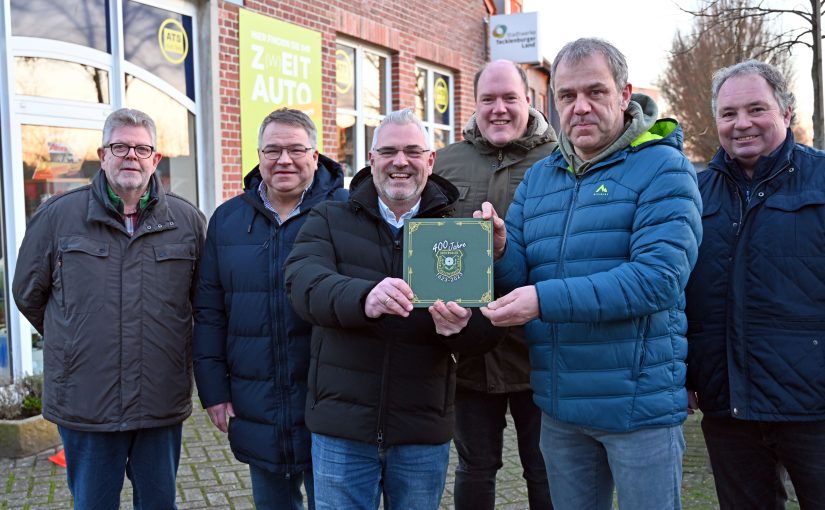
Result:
{"points": [[352, 475], [97, 461], [479, 439], [746, 456], [584, 463], [273, 491]]}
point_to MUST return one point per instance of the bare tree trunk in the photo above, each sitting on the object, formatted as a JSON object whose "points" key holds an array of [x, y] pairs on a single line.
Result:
{"points": [[816, 74]]}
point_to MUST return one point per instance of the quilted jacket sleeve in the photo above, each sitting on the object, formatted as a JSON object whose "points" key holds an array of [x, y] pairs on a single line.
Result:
{"points": [[210, 332], [664, 241], [319, 293]]}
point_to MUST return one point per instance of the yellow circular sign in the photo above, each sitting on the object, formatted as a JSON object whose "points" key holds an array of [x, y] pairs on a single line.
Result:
{"points": [[173, 41], [343, 72], [442, 95]]}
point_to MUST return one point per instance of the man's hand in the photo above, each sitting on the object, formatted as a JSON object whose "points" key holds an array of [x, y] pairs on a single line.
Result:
{"points": [[693, 402], [488, 212], [449, 318], [219, 414], [514, 309], [392, 296]]}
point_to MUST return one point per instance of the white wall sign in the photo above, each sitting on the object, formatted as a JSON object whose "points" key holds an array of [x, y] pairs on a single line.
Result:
{"points": [[515, 37]]}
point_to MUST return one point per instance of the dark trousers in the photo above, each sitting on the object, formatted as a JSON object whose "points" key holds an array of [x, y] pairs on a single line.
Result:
{"points": [[479, 438], [746, 457], [97, 461]]}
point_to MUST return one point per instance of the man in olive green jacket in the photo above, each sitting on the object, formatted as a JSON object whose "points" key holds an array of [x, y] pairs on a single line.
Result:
{"points": [[503, 138]]}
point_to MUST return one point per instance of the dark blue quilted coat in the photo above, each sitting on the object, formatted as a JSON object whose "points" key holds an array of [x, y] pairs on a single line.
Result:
{"points": [[756, 299], [250, 347], [609, 253]]}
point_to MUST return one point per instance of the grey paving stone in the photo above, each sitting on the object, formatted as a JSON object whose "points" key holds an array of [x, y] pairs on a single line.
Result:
{"points": [[210, 477]]}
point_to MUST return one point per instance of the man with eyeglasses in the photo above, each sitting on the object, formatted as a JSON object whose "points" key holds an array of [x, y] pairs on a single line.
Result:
{"points": [[503, 138], [382, 373], [106, 273], [251, 350]]}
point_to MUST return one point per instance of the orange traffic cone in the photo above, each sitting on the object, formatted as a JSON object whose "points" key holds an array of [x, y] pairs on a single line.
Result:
{"points": [[59, 458]]}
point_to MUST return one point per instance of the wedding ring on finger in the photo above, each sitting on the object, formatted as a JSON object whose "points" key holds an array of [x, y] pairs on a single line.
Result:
{"points": [[387, 300]]}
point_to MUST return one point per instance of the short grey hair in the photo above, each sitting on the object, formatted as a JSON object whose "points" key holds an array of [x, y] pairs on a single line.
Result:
{"points": [[128, 117], [777, 81], [290, 117], [578, 50], [401, 117]]}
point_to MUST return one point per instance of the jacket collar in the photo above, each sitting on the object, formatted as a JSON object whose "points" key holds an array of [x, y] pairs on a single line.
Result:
{"points": [[437, 199], [101, 209], [328, 176], [765, 166], [538, 132]]}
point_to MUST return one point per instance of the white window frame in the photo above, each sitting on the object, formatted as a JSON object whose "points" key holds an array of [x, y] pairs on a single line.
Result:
{"points": [[429, 123], [18, 110], [359, 113]]}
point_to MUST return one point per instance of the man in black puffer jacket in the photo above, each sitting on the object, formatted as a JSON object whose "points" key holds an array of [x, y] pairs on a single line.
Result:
{"points": [[251, 351], [382, 374]]}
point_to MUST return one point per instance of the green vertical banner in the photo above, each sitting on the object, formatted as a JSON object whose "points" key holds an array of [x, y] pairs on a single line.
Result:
{"points": [[280, 65]]}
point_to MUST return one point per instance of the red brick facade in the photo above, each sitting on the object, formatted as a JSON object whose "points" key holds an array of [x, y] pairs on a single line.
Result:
{"points": [[449, 33]]}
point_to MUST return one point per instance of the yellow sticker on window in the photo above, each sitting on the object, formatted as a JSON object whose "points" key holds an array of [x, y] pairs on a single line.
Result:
{"points": [[173, 41]]}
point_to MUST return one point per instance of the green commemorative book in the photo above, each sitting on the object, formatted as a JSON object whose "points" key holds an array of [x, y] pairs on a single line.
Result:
{"points": [[450, 259]]}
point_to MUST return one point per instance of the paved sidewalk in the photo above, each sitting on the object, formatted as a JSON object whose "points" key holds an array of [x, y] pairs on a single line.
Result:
{"points": [[210, 477]]}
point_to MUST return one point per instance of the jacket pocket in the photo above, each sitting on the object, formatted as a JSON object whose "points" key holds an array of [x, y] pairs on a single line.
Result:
{"points": [[82, 264], [640, 351], [174, 268], [794, 225]]}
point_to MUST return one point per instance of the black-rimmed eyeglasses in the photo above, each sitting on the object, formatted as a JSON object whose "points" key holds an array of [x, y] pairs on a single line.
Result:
{"points": [[273, 153], [121, 150]]}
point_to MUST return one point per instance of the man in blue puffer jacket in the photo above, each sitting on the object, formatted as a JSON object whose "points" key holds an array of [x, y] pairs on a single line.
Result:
{"points": [[251, 351], [756, 300], [600, 240]]}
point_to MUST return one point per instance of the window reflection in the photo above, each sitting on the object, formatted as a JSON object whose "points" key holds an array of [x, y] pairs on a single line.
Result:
{"points": [[369, 131], [176, 136], [346, 143], [433, 102], [60, 79], [81, 22], [345, 76], [56, 160], [441, 138], [421, 93], [374, 84], [441, 98], [160, 41]]}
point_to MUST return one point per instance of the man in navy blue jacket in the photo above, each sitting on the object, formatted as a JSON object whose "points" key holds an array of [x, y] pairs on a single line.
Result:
{"points": [[251, 351], [756, 299]]}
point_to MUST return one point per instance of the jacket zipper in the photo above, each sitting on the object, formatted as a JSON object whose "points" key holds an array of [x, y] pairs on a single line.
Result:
{"points": [[282, 378], [559, 272], [385, 369]]}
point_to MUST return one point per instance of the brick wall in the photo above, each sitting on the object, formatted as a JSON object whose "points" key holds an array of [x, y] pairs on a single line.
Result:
{"points": [[449, 33]]}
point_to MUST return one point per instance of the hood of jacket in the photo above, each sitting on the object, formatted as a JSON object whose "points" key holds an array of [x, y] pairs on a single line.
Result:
{"points": [[328, 176], [640, 127], [538, 132]]}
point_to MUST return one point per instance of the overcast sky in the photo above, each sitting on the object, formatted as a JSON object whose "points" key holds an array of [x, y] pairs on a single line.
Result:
{"points": [[643, 30]]}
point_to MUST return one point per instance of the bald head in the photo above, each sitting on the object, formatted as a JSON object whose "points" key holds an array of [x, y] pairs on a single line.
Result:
{"points": [[502, 107]]}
